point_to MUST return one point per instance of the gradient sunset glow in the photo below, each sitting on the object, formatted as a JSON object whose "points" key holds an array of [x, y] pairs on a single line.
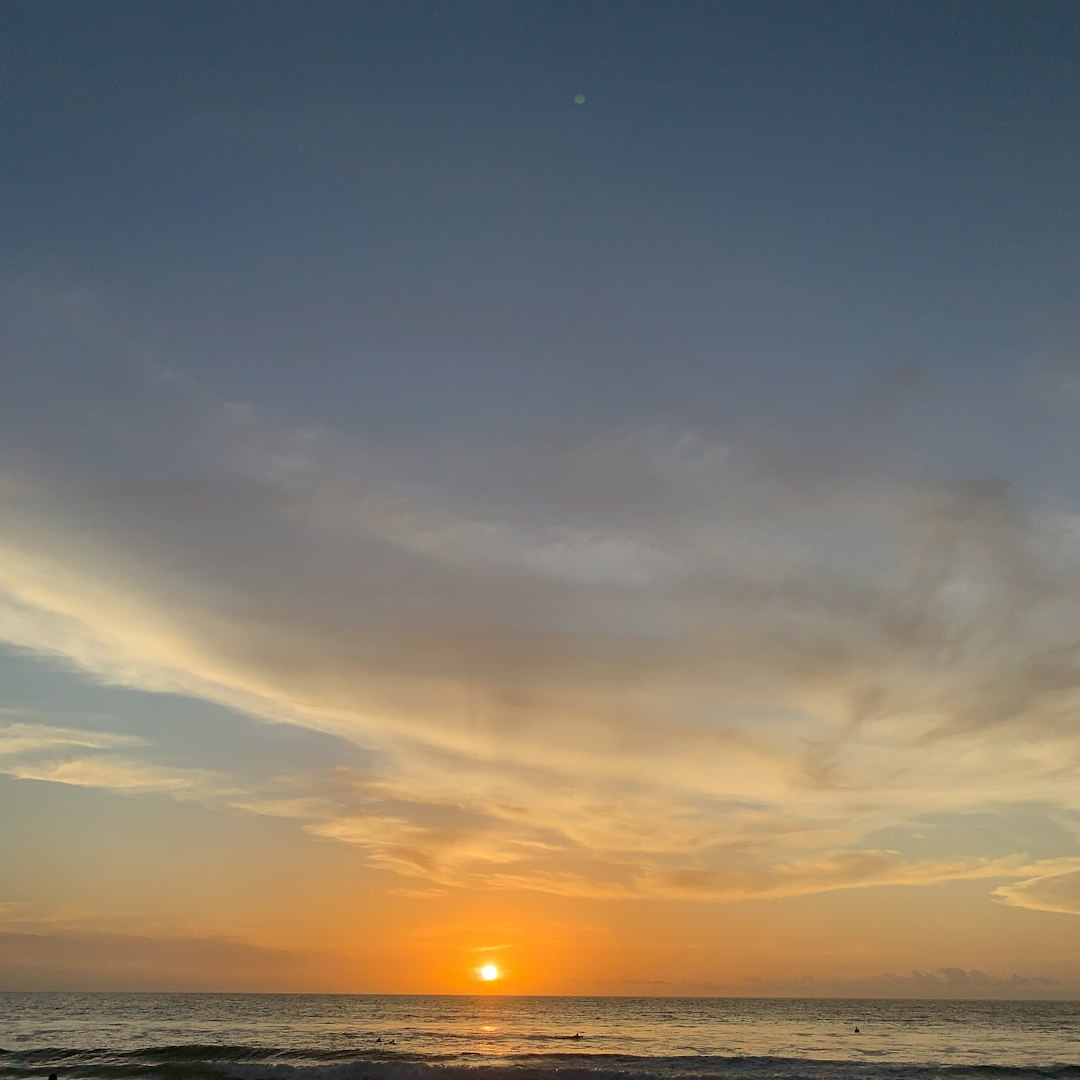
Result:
{"points": [[540, 499]]}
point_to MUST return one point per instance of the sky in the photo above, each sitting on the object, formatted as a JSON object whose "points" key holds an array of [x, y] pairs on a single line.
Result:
{"points": [[586, 488]]}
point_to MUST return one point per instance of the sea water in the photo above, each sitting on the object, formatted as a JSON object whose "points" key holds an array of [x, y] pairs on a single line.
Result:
{"points": [[347, 1037]]}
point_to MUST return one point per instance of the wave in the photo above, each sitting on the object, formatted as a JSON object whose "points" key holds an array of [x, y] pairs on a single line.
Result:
{"points": [[198, 1061]]}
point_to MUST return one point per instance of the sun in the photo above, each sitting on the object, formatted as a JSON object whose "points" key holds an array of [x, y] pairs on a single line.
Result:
{"points": [[489, 973]]}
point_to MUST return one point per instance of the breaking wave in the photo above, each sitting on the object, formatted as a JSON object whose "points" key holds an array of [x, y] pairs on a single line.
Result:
{"points": [[199, 1061]]}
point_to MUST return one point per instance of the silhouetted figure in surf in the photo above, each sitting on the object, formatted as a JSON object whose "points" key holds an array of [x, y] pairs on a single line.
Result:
{"points": [[856, 1032]]}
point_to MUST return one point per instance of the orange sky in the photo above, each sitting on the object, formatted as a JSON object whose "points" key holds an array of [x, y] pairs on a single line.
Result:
{"points": [[248, 902]]}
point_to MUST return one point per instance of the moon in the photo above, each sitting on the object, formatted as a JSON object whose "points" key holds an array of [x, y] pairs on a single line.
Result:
{"points": [[579, 99]]}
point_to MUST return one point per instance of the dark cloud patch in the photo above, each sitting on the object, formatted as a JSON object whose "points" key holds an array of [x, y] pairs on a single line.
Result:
{"points": [[944, 982], [84, 959]]}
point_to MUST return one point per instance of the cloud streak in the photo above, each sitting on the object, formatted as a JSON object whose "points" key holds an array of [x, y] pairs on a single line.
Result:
{"points": [[482, 845], [944, 982], [652, 663]]}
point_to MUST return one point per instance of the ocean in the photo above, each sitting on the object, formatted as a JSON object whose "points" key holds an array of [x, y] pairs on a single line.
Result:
{"points": [[361, 1037]]}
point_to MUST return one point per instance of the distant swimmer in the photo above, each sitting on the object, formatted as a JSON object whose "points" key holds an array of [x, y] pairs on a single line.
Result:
{"points": [[379, 1039], [856, 1032], [579, 1036]]}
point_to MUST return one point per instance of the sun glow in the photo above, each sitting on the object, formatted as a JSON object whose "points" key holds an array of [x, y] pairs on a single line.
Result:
{"points": [[489, 972]]}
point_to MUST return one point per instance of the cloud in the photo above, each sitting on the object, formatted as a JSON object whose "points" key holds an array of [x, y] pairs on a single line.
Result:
{"points": [[119, 775], [941, 982], [23, 739], [829, 870], [944, 982], [62, 947], [497, 846], [29, 752], [651, 662], [78, 959], [1054, 886]]}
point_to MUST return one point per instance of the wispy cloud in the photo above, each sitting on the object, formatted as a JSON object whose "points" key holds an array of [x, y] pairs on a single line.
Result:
{"points": [[56, 754], [17, 740], [651, 663], [1053, 885]]}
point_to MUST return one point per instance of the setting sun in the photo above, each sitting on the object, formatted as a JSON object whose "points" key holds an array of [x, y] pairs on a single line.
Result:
{"points": [[489, 972]]}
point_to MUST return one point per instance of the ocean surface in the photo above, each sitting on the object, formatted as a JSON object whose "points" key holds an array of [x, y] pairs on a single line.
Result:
{"points": [[328, 1037]]}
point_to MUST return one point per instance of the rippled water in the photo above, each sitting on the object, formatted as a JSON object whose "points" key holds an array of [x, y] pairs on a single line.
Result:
{"points": [[329, 1037]]}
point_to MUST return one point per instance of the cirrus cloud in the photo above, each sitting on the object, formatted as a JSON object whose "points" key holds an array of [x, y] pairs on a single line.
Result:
{"points": [[654, 662]]}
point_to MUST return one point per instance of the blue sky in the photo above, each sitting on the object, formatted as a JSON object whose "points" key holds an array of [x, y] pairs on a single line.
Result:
{"points": [[463, 492]]}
